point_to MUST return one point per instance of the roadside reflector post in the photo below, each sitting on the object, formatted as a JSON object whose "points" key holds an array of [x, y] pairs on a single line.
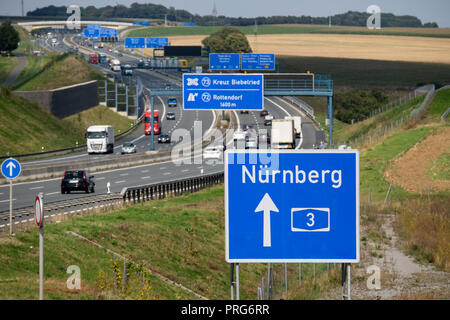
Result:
{"points": [[39, 219]]}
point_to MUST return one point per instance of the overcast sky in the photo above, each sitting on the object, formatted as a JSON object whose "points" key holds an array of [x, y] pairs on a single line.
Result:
{"points": [[427, 11]]}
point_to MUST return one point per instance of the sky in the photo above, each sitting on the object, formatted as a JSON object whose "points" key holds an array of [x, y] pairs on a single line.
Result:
{"points": [[427, 11]]}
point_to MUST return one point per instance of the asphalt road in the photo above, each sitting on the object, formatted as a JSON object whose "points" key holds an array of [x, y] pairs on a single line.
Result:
{"points": [[24, 193]]}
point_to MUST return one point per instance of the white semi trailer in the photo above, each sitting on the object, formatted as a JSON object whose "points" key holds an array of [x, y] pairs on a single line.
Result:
{"points": [[100, 139]]}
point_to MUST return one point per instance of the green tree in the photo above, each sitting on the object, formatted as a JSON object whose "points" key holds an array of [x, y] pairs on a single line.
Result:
{"points": [[227, 40], [9, 37]]}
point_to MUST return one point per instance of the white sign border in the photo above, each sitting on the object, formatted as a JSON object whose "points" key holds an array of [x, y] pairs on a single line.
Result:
{"points": [[227, 253], [222, 74]]}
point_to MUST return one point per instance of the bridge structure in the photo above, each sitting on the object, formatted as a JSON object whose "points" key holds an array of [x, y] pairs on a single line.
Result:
{"points": [[275, 84], [35, 25]]}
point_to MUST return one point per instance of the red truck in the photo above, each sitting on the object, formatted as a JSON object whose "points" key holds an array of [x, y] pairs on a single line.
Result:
{"points": [[148, 120], [93, 58]]}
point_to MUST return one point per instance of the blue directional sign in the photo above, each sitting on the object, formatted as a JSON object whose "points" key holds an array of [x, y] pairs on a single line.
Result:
{"points": [[94, 26], [157, 43], [108, 32], [11, 168], [132, 43], [224, 61], [292, 206], [91, 33], [223, 91], [258, 61]]}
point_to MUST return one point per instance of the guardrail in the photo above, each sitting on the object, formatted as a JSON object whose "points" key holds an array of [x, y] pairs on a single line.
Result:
{"points": [[309, 111], [445, 114], [23, 218], [74, 148]]}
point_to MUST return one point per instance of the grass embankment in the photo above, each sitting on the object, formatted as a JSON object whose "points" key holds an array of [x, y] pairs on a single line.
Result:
{"points": [[7, 64], [64, 70], [440, 104], [180, 238], [25, 127], [292, 29]]}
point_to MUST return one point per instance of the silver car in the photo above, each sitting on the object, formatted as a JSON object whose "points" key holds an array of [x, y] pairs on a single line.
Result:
{"points": [[128, 147]]}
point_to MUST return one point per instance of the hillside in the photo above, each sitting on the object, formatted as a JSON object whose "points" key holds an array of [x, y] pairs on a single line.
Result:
{"points": [[64, 70], [42, 128]]}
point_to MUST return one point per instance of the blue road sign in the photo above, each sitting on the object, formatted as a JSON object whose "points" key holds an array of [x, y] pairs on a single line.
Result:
{"points": [[94, 26], [11, 168], [157, 43], [257, 61], [292, 206], [91, 33], [108, 32], [132, 43], [223, 91], [224, 61]]}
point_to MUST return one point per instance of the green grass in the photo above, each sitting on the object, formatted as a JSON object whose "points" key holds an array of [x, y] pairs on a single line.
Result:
{"points": [[7, 64], [289, 29], [43, 129], [440, 168], [181, 238], [439, 105], [375, 160], [363, 73], [61, 71]]}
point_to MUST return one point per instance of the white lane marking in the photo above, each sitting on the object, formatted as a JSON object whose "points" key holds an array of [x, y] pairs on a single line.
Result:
{"points": [[123, 174], [101, 178], [167, 173], [185, 170], [147, 177], [144, 171], [162, 168], [51, 193], [121, 181], [41, 187], [7, 200]]}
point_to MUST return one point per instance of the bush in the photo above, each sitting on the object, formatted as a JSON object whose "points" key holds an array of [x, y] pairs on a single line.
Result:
{"points": [[356, 104]]}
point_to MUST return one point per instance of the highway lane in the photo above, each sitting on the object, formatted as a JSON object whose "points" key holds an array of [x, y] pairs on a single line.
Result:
{"points": [[23, 193]]}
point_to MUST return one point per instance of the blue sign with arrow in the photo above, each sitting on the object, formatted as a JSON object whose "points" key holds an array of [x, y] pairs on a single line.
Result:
{"points": [[136, 42], [223, 91], [11, 168], [258, 61], [157, 43], [91, 33], [292, 206], [224, 61]]}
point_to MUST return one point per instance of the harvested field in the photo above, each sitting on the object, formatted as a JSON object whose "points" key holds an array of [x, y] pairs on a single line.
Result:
{"points": [[376, 47], [410, 170]]}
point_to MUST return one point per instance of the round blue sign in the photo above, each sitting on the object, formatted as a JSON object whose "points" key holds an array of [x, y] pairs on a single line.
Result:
{"points": [[11, 168]]}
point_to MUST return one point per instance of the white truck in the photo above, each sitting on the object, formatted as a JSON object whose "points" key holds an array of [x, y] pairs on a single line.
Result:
{"points": [[115, 65], [100, 139], [283, 134], [297, 125]]}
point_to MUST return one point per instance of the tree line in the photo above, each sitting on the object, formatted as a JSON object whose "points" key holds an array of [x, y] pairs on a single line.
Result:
{"points": [[154, 11]]}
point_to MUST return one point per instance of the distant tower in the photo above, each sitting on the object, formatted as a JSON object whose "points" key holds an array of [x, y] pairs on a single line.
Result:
{"points": [[256, 35], [214, 10], [23, 13]]}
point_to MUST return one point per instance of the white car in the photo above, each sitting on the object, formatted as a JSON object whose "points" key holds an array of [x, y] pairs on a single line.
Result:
{"points": [[212, 153], [239, 135]]}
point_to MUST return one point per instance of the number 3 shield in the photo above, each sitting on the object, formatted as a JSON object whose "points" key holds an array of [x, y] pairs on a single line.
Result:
{"points": [[310, 219]]}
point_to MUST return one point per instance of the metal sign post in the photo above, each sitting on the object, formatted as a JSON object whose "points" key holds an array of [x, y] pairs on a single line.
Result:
{"points": [[39, 219], [11, 169]]}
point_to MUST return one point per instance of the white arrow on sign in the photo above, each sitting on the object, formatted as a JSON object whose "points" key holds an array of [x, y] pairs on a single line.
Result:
{"points": [[266, 204], [10, 165]]}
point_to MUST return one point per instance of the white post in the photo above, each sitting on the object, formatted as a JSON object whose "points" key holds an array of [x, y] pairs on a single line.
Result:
{"points": [[348, 281], [10, 209], [41, 252], [237, 281]]}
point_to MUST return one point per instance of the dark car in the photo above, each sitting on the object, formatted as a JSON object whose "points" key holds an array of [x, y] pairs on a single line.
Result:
{"points": [[164, 138], [243, 112], [77, 180], [263, 113], [170, 116]]}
